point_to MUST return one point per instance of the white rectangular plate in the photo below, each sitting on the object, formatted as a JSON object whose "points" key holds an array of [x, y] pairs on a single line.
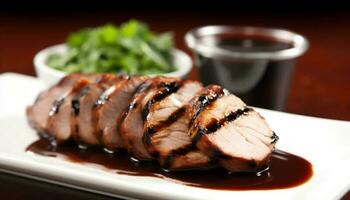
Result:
{"points": [[325, 143]]}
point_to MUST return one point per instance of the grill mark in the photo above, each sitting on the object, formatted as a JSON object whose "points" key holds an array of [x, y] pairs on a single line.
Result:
{"points": [[102, 83], [145, 85], [165, 90], [131, 106], [75, 109], [107, 94], [104, 97], [55, 108], [165, 123], [204, 101], [124, 79], [146, 138], [139, 88], [215, 124], [168, 161], [75, 104], [274, 138], [127, 77]]}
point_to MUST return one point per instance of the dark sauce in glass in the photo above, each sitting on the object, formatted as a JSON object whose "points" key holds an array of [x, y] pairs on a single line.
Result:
{"points": [[253, 44], [258, 82], [286, 170]]}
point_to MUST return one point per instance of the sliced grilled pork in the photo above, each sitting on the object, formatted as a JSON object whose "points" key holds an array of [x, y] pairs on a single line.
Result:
{"points": [[166, 131], [39, 112], [82, 106], [234, 134], [60, 124], [110, 107], [131, 125], [180, 123]]}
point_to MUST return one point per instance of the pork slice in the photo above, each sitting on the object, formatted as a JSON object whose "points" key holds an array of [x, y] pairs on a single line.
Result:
{"points": [[234, 134], [203, 98], [131, 123], [109, 108], [166, 131], [82, 105], [38, 113], [60, 125], [161, 110], [217, 110]]}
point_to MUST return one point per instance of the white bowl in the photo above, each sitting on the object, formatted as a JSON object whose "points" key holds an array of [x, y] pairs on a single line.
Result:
{"points": [[50, 76]]}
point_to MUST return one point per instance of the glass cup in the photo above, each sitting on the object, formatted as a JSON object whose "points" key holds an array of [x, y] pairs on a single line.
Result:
{"points": [[254, 63]]}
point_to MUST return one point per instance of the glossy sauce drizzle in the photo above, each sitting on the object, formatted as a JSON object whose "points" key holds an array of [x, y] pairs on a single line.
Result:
{"points": [[286, 170]]}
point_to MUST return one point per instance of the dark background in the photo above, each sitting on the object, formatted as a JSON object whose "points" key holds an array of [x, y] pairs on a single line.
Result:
{"points": [[320, 86]]}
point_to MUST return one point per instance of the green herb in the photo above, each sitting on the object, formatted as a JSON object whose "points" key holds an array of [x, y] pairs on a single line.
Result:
{"points": [[131, 48]]}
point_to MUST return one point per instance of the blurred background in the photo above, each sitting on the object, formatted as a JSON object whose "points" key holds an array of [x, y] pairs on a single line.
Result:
{"points": [[320, 85]]}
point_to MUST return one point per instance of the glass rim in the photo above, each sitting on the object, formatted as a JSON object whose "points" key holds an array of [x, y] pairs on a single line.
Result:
{"points": [[298, 42]]}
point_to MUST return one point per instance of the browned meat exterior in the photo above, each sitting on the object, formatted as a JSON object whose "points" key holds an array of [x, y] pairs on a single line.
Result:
{"points": [[109, 108], [60, 123], [85, 132], [131, 125], [227, 130], [166, 131]]}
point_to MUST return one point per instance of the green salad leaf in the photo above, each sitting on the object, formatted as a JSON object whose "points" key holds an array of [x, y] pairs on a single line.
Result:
{"points": [[130, 48]]}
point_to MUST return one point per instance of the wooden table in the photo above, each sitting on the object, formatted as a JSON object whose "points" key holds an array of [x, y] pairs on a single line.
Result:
{"points": [[320, 86]]}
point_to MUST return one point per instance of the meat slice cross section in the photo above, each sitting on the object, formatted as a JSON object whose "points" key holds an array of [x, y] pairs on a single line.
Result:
{"points": [[38, 113], [82, 106], [166, 131], [50, 101], [109, 108], [131, 124], [61, 117], [234, 134]]}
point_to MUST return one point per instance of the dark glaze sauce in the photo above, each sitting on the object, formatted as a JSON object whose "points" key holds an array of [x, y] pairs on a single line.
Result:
{"points": [[246, 43], [286, 170]]}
